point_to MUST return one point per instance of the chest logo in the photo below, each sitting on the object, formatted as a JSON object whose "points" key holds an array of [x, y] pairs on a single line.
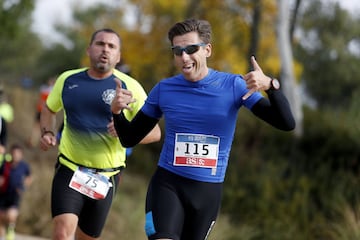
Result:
{"points": [[108, 95]]}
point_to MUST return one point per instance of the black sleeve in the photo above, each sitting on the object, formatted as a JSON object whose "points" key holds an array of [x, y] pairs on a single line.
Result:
{"points": [[131, 133], [275, 111]]}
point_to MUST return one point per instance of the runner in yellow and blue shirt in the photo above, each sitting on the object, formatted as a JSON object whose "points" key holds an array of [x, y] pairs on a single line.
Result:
{"points": [[85, 139], [90, 158]]}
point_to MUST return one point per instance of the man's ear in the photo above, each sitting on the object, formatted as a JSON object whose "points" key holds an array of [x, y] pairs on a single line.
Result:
{"points": [[208, 50]]}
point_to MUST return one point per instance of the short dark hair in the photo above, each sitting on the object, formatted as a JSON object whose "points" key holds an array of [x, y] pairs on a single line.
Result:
{"points": [[107, 30], [16, 146], [202, 27]]}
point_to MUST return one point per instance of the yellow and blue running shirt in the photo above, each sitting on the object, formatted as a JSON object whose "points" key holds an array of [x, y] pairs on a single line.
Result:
{"points": [[86, 103]]}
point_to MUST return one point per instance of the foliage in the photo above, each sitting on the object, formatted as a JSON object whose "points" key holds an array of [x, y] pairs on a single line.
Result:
{"points": [[14, 17], [303, 183], [48, 66], [19, 57], [330, 67], [145, 41], [19, 47]]}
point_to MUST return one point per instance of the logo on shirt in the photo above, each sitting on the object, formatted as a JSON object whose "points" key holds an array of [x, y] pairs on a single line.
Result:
{"points": [[73, 86], [108, 96]]}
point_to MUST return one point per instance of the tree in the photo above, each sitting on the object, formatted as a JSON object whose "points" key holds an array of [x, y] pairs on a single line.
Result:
{"points": [[14, 17], [19, 47], [290, 87], [254, 30], [331, 71]]}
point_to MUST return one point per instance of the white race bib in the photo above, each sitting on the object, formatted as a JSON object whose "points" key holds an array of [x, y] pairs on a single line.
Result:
{"points": [[90, 183], [196, 150]]}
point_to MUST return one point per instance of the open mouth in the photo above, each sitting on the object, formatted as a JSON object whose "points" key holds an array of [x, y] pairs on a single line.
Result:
{"points": [[104, 58], [188, 67]]}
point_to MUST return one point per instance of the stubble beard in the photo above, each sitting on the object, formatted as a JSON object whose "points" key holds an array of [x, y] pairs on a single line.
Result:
{"points": [[103, 67]]}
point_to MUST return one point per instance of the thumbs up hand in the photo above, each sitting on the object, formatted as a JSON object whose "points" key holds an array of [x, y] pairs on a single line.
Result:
{"points": [[122, 99], [256, 80]]}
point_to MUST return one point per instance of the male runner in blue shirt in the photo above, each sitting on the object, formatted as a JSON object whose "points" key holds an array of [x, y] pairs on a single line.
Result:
{"points": [[200, 108]]}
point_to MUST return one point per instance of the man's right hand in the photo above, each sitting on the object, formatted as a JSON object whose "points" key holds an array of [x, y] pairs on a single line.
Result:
{"points": [[122, 98], [47, 141]]}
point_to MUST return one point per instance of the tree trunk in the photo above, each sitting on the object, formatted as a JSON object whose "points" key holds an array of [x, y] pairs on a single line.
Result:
{"points": [[254, 34], [290, 88]]}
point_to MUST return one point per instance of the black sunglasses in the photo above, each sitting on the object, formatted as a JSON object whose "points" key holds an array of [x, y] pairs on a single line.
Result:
{"points": [[190, 49]]}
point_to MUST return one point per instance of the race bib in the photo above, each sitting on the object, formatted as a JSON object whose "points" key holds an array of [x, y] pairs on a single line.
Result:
{"points": [[196, 150], [90, 183]]}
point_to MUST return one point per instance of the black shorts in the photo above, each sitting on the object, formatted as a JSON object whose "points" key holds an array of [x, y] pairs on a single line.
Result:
{"points": [[179, 208], [9, 200], [92, 213]]}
